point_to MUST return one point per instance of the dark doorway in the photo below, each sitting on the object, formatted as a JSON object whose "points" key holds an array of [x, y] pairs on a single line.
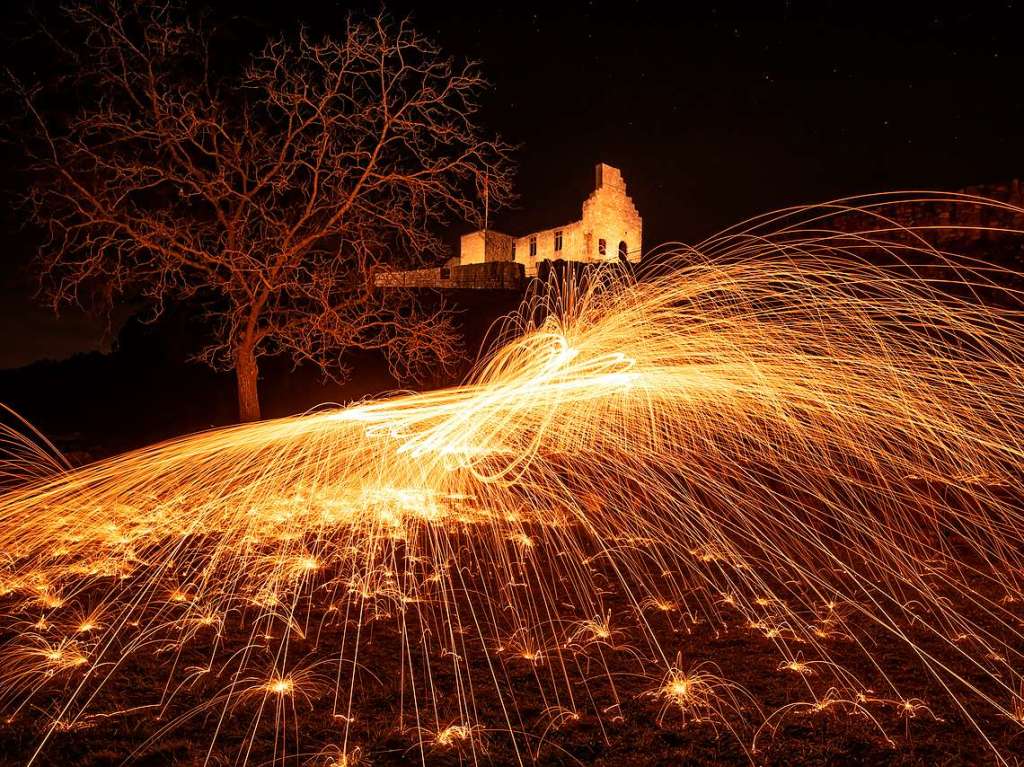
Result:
{"points": [[622, 250]]}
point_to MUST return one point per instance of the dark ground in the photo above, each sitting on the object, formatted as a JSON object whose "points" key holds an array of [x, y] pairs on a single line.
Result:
{"points": [[937, 733]]}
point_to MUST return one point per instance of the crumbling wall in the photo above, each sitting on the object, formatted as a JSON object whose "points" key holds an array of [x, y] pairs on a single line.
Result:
{"points": [[609, 214], [957, 222], [491, 275], [572, 249]]}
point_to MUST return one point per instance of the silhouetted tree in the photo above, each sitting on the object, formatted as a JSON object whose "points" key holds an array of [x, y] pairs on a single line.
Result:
{"points": [[269, 191]]}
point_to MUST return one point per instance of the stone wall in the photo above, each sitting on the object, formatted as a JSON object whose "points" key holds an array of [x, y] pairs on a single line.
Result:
{"points": [[492, 275], [572, 246], [480, 247], [959, 224], [953, 226], [610, 215]]}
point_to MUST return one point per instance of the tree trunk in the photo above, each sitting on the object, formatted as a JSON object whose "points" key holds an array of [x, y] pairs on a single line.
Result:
{"points": [[247, 373]]}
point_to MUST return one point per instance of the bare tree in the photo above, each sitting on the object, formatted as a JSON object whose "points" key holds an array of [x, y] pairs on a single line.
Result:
{"points": [[268, 192]]}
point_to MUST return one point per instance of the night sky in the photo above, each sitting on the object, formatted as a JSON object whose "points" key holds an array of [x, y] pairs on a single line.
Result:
{"points": [[714, 112]]}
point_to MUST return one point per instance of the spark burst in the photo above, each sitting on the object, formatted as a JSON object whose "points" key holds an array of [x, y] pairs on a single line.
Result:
{"points": [[771, 430]]}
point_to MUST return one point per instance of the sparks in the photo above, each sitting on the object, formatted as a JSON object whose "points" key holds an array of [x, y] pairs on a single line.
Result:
{"points": [[771, 430]]}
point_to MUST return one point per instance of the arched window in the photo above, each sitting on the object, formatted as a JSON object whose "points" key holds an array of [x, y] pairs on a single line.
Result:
{"points": [[602, 248], [622, 250]]}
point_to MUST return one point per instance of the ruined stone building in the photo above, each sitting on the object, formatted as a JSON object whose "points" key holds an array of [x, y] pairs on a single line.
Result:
{"points": [[609, 229]]}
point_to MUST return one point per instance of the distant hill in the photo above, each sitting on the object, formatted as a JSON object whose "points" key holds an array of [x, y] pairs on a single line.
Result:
{"points": [[146, 389]]}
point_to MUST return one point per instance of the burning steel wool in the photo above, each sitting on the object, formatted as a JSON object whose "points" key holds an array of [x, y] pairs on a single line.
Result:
{"points": [[791, 429]]}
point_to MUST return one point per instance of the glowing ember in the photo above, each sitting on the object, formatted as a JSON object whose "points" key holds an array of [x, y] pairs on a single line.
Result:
{"points": [[281, 686], [452, 735]]}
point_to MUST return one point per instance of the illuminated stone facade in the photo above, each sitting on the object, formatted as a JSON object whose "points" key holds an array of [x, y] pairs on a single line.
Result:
{"points": [[609, 229]]}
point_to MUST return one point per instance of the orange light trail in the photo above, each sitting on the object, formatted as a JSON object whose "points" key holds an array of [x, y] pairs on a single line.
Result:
{"points": [[783, 429]]}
